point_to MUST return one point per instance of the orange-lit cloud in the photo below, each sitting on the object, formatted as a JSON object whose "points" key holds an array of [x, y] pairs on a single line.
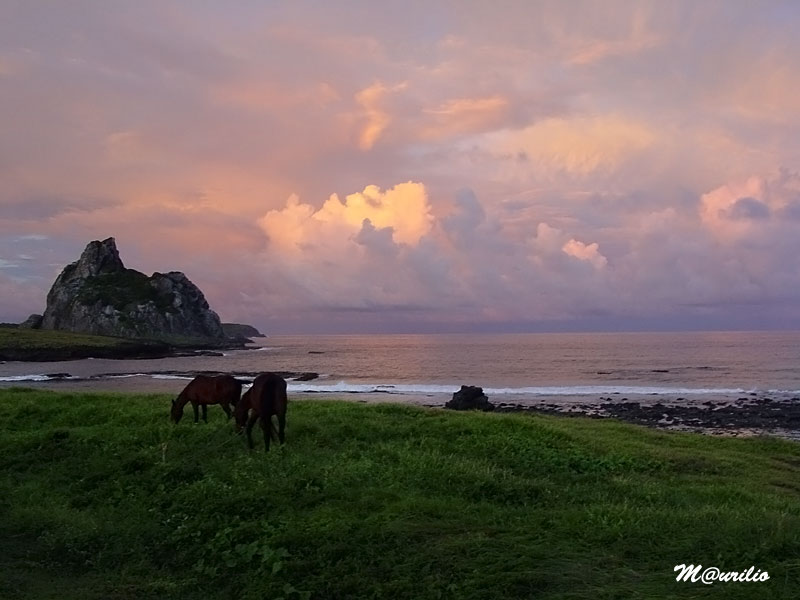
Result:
{"points": [[404, 209], [756, 204], [588, 252], [376, 116], [578, 146], [465, 115]]}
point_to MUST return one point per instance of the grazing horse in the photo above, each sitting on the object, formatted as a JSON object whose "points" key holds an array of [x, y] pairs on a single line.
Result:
{"points": [[267, 397], [208, 389]]}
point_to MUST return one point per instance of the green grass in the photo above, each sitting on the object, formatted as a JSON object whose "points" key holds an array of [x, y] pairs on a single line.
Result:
{"points": [[41, 339], [101, 497]]}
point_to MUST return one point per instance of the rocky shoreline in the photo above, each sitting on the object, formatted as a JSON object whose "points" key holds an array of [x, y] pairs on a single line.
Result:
{"points": [[753, 414], [749, 415]]}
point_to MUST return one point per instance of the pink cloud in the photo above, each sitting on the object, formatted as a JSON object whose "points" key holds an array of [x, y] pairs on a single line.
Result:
{"points": [[574, 161]]}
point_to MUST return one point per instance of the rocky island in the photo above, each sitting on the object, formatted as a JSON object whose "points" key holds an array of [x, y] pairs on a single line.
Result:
{"points": [[97, 297]]}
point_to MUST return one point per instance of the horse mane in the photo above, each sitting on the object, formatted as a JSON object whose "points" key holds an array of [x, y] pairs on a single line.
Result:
{"points": [[182, 398]]}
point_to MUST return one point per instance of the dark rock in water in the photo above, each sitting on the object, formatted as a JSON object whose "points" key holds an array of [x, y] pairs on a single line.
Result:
{"points": [[470, 398], [58, 375], [306, 377], [316, 352], [238, 330], [32, 322], [98, 295]]}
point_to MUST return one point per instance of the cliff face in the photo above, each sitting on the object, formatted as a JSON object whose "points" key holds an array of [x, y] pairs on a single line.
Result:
{"points": [[98, 295]]}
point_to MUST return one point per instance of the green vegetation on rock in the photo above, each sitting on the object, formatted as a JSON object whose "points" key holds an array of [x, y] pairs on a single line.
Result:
{"points": [[123, 289], [102, 497], [97, 295]]}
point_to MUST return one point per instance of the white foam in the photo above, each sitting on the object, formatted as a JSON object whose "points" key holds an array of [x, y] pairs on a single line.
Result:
{"points": [[26, 378], [585, 390], [172, 377]]}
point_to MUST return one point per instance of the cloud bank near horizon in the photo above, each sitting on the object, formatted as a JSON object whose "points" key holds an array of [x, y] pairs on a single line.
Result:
{"points": [[315, 172]]}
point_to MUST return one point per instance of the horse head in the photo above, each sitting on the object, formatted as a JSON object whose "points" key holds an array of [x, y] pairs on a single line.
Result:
{"points": [[241, 410], [176, 412]]}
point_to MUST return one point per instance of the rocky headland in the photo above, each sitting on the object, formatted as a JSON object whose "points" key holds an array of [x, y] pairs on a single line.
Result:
{"points": [[239, 330], [148, 316], [98, 295]]}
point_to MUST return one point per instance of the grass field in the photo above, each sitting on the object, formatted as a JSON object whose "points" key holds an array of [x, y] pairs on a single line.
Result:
{"points": [[39, 344], [45, 339], [101, 497]]}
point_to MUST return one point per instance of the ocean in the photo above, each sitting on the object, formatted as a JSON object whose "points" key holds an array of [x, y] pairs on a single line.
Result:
{"points": [[513, 368]]}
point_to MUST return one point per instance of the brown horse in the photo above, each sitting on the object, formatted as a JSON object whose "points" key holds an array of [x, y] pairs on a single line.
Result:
{"points": [[267, 397], [208, 389]]}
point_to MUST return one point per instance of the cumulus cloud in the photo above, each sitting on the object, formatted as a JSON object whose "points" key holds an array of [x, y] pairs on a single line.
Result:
{"points": [[587, 252], [354, 255], [753, 206], [404, 208]]}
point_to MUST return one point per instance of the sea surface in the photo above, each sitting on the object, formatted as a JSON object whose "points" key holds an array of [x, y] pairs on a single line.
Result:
{"points": [[512, 368]]}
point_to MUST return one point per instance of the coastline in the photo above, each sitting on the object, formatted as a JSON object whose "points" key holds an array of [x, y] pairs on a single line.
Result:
{"points": [[36, 345], [733, 385], [748, 415]]}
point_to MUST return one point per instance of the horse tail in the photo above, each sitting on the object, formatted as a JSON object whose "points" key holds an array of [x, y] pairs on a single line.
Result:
{"points": [[281, 403]]}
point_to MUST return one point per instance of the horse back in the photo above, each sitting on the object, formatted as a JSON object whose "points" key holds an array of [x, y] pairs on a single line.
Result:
{"points": [[228, 388], [213, 389]]}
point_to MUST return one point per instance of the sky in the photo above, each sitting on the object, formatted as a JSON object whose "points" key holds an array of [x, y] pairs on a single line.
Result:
{"points": [[354, 166]]}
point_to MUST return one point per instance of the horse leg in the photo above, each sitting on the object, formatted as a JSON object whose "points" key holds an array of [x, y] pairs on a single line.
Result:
{"points": [[251, 420], [205, 412], [282, 427], [196, 415], [226, 408], [266, 425]]}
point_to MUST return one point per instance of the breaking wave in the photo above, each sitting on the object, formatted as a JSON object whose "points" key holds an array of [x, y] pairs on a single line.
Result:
{"points": [[584, 390]]}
